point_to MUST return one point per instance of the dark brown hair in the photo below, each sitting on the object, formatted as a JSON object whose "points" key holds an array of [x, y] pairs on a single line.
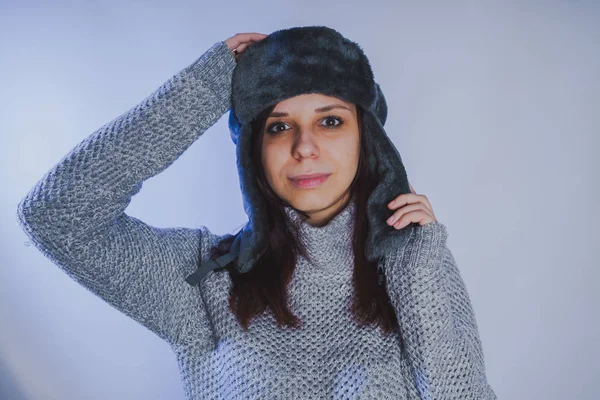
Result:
{"points": [[265, 286]]}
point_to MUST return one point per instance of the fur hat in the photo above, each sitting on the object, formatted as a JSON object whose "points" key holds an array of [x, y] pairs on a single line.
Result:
{"points": [[296, 61]]}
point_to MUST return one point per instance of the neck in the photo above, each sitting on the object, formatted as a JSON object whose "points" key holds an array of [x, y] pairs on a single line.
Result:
{"points": [[322, 217]]}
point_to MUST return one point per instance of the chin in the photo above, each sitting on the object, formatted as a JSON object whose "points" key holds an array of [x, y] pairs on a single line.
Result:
{"points": [[312, 202]]}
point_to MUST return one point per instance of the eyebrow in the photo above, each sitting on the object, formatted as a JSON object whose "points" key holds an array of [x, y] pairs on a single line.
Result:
{"points": [[317, 110]]}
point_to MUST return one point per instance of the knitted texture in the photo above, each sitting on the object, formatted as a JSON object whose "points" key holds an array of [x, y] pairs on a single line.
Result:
{"points": [[76, 216]]}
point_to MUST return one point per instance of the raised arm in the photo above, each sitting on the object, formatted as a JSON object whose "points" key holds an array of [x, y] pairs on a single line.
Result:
{"points": [[436, 318], [76, 213]]}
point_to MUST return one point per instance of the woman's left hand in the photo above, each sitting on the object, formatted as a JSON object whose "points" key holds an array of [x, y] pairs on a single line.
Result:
{"points": [[412, 207]]}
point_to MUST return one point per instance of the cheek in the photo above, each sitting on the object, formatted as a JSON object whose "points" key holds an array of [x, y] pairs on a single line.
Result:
{"points": [[272, 163], [350, 152]]}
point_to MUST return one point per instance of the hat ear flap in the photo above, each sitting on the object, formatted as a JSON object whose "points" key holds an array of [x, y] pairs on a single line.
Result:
{"points": [[380, 105], [253, 240], [235, 126], [386, 165]]}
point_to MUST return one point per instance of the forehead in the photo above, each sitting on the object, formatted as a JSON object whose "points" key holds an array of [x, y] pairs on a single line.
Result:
{"points": [[310, 102]]}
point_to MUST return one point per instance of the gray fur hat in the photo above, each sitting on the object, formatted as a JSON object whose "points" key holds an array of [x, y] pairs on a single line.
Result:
{"points": [[295, 61]]}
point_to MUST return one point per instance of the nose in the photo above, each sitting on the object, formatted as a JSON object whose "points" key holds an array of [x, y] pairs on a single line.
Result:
{"points": [[305, 144]]}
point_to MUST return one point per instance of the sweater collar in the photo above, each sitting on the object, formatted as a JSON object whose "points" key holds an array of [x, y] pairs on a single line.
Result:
{"points": [[327, 240]]}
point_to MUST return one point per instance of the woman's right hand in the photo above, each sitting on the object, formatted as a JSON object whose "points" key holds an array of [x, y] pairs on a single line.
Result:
{"points": [[241, 41]]}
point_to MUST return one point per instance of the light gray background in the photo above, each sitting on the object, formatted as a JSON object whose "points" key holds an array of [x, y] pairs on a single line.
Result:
{"points": [[493, 106]]}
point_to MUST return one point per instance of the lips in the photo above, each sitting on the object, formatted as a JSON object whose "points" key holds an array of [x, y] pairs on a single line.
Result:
{"points": [[309, 181]]}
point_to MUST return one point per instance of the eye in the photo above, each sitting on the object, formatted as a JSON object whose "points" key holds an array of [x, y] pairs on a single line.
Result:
{"points": [[333, 118], [274, 125], [273, 128]]}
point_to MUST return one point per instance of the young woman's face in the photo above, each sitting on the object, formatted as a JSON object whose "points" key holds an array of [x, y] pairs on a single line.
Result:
{"points": [[312, 134]]}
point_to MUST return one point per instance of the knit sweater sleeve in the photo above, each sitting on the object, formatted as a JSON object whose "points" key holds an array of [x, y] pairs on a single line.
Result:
{"points": [[436, 319], [75, 214]]}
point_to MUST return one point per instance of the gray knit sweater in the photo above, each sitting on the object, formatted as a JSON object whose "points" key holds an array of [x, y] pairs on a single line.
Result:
{"points": [[76, 216]]}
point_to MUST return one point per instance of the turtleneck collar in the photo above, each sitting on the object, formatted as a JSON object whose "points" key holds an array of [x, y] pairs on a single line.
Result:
{"points": [[329, 241]]}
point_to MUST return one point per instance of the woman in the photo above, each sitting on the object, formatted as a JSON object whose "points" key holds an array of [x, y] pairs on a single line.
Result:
{"points": [[320, 295]]}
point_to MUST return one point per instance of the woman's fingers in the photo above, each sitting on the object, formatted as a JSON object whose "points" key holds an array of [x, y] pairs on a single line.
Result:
{"points": [[410, 213], [410, 198], [240, 49], [241, 40]]}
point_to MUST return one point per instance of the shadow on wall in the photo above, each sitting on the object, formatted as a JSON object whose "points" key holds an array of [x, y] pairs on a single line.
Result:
{"points": [[9, 390]]}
